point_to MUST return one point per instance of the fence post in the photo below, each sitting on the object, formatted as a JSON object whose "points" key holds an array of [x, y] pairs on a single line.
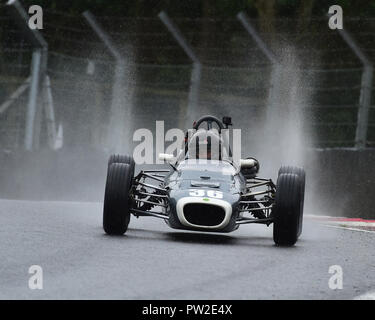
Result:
{"points": [[38, 71], [365, 95], [33, 99], [117, 113], [275, 77], [193, 98], [49, 113]]}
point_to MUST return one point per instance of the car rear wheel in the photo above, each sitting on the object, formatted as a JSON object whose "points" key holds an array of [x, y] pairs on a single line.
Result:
{"points": [[302, 175], [286, 212], [116, 210]]}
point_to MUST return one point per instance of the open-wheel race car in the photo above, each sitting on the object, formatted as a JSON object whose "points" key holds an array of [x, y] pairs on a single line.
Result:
{"points": [[205, 190]]}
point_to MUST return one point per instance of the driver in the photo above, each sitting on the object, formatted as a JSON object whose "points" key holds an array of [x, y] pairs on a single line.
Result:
{"points": [[205, 144]]}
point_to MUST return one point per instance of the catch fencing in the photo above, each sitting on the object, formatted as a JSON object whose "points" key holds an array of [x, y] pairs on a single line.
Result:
{"points": [[229, 74]]}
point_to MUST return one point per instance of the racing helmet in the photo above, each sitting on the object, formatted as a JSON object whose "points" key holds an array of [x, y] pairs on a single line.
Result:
{"points": [[205, 144]]}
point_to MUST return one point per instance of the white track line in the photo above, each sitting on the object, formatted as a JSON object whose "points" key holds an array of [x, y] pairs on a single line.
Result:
{"points": [[366, 296], [347, 228]]}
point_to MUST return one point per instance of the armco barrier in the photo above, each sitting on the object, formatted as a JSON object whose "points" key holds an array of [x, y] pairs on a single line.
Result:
{"points": [[343, 182]]}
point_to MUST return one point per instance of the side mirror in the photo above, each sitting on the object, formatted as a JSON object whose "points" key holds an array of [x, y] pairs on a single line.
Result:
{"points": [[166, 157], [227, 121], [247, 163], [249, 167]]}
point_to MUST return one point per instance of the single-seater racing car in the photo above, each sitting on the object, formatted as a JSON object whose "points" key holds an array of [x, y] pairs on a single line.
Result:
{"points": [[205, 190]]}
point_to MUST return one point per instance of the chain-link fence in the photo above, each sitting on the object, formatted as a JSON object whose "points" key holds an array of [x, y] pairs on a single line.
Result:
{"points": [[235, 76]]}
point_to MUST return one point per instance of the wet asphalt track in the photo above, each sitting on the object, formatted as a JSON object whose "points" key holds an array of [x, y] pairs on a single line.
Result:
{"points": [[155, 262]]}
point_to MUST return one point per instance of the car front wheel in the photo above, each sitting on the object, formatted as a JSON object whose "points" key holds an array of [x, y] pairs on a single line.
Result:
{"points": [[302, 175], [116, 210], [286, 212]]}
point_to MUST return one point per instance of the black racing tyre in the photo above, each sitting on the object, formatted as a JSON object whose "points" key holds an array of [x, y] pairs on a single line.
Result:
{"points": [[119, 158], [286, 212], [116, 210], [302, 175]]}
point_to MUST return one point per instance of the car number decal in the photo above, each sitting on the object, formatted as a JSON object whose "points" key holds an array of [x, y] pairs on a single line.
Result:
{"points": [[206, 193]]}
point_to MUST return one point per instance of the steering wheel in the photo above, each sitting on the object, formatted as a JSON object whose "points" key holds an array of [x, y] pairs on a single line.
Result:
{"points": [[209, 120]]}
